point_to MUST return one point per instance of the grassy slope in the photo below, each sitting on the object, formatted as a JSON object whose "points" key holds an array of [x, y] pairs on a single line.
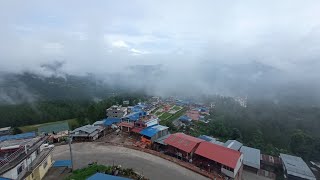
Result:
{"points": [[28, 128], [173, 117], [176, 108], [165, 115]]}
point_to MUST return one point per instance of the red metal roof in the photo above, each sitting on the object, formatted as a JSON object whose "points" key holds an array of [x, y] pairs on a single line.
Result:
{"points": [[125, 124], [217, 153], [183, 142]]}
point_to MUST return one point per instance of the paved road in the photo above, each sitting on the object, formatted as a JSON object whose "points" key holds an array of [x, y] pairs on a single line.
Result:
{"points": [[151, 166]]}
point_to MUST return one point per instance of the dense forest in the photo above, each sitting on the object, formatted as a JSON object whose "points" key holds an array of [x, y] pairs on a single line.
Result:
{"points": [[56, 110], [271, 127]]}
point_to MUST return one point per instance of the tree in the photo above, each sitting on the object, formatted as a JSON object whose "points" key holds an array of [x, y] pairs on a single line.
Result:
{"points": [[16, 130], [236, 134], [301, 144]]}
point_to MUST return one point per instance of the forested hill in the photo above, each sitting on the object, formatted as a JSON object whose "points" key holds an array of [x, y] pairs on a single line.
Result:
{"points": [[29, 87], [271, 127]]}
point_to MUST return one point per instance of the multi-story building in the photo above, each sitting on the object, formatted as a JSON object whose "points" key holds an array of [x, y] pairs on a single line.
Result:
{"points": [[116, 111], [25, 156]]}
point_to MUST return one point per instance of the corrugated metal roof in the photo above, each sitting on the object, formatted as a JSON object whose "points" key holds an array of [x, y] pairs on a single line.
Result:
{"points": [[152, 130], [207, 138], [98, 123], [220, 154], [233, 144], [135, 115], [62, 163], [2, 178], [101, 176], [109, 121], [183, 142], [251, 157], [18, 136], [87, 128], [185, 118], [295, 166], [5, 128], [161, 140], [218, 143]]}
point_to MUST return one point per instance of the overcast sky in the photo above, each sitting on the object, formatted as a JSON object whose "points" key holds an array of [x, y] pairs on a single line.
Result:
{"points": [[99, 36]]}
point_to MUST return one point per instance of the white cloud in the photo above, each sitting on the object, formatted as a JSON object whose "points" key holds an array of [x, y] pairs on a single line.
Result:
{"points": [[120, 44], [53, 48], [136, 52]]}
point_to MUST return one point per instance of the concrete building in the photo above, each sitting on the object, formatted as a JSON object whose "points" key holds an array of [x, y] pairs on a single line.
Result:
{"points": [[5, 131], [270, 163], [126, 126], [87, 133], [251, 158], [295, 168], [25, 157], [116, 111], [145, 122], [220, 159]]}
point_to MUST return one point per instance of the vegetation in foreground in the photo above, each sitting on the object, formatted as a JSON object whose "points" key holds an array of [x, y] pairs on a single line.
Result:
{"points": [[84, 173]]}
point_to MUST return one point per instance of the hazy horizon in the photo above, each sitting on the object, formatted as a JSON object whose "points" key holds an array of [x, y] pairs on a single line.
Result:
{"points": [[206, 47]]}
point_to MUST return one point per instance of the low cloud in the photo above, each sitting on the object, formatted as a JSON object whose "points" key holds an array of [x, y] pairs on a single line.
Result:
{"points": [[206, 47]]}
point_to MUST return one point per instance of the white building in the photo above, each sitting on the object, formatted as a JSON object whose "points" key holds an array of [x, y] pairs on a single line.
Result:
{"points": [[25, 158]]}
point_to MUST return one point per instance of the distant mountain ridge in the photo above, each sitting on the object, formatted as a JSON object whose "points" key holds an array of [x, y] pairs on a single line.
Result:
{"points": [[28, 87]]}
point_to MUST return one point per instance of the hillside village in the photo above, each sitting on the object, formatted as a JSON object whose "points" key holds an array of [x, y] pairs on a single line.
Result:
{"points": [[158, 127]]}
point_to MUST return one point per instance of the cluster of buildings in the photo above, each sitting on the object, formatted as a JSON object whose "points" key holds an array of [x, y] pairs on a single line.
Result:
{"points": [[229, 159], [24, 156], [134, 120], [28, 156]]}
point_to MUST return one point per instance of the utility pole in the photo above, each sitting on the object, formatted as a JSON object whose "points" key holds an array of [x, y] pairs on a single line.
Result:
{"points": [[70, 140]]}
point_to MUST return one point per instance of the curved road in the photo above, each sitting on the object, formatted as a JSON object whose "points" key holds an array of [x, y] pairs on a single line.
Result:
{"points": [[151, 166]]}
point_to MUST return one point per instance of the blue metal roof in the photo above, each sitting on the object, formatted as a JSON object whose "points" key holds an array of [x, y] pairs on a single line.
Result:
{"points": [[110, 121], [62, 163], [203, 109], [152, 130], [101, 176], [18, 136], [184, 118], [136, 115], [207, 138], [2, 178]]}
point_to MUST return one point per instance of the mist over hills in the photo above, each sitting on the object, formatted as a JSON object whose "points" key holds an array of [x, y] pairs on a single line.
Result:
{"points": [[254, 80]]}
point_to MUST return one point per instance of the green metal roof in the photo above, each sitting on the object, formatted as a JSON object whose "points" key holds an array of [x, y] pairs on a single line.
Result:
{"points": [[57, 127]]}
